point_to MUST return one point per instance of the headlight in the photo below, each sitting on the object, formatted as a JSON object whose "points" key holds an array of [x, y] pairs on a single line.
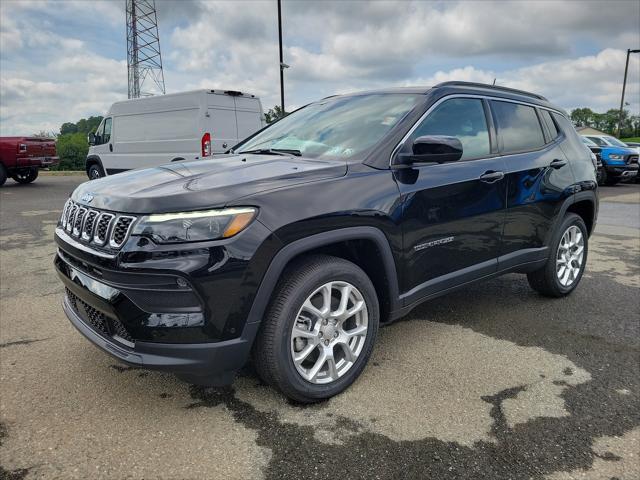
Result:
{"points": [[195, 226], [615, 156]]}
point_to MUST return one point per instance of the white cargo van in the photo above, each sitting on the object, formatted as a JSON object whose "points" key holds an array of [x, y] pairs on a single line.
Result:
{"points": [[150, 131]]}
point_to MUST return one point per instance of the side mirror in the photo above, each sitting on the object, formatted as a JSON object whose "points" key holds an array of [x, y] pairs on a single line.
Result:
{"points": [[432, 149], [91, 138]]}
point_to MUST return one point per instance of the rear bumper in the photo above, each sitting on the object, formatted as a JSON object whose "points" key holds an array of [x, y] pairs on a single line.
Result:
{"points": [[213, 364], [37, 162]]}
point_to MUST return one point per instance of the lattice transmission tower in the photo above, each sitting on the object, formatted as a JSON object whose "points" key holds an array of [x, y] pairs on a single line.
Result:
{"points": [[144, 61]]}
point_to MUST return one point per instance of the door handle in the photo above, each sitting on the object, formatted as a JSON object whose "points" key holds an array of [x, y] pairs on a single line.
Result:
{"points": [[491, 176], [111, 147], [558, 163]]}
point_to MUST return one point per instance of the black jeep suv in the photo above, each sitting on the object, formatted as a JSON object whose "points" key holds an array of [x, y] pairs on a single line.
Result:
{"points": [[295, 246]]}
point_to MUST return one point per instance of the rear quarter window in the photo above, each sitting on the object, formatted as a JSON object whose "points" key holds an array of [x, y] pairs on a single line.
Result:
{"points": [[550, 124], [518, 127]]}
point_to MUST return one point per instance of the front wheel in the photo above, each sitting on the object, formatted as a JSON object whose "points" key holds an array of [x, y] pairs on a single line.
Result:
{"points": [[25, 176], [95, 172], [567, 259], [320, 329]]}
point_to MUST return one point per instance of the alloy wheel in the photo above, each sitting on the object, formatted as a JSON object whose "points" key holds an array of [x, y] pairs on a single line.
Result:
{"points": [[570, 256], [329, 332]]}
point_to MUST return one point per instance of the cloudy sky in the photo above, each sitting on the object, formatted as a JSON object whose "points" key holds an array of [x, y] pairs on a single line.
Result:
{"points": [[63, 60]]}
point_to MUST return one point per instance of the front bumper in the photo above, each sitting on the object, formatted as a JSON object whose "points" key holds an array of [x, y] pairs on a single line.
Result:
{"points": [[213, 364], [130, 304], [622, 171]]}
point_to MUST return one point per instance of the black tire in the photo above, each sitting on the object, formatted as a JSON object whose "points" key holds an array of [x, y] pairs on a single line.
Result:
{"points": [[272, 350], [545, 280], [25, 176], [95, 171], [3, 174]]}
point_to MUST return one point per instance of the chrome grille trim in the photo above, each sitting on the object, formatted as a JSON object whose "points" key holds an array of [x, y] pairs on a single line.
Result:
{"points": [[89, 225], [78, 222], [118, 237], [104, 222], [65, 213], [71, 218], [95, 227]]}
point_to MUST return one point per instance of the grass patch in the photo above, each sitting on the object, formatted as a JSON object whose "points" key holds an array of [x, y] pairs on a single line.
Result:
{"points": [[631, 139]]}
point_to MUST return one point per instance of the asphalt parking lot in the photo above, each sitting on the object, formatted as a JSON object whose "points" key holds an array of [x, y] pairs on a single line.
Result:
{"points": [[490, 382]]}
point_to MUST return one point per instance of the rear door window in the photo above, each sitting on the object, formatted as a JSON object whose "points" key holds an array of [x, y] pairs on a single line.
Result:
{"points": [[463, 118], [518, 127]]}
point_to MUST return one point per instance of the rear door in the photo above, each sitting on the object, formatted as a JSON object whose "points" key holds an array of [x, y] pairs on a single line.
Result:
{"points": [[221, 122], [248, 115], [537, 178], [453, 212]]}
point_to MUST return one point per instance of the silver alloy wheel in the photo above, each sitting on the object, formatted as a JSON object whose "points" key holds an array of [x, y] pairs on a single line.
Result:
{"points": [[570, 256], [329, 332]]}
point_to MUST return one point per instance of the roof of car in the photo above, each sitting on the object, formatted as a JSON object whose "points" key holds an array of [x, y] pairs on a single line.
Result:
{"points": [[466, 87]]}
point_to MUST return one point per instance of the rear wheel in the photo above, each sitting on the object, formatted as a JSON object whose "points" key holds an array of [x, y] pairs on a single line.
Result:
{"points": [[319, 332], [565, 266], [3, 174], [25, 176], [95, 171]]}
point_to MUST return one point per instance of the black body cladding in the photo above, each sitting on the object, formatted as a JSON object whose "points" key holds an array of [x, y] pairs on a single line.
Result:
{"points": [[416, 230]]}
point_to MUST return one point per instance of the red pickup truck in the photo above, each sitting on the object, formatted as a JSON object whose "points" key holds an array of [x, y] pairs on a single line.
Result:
{"points": [[21, 157]]}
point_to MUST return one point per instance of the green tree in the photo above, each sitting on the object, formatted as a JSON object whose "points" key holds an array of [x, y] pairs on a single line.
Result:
{"points": [[72, 149], [583, 117], [68, 127], [274, 114]]}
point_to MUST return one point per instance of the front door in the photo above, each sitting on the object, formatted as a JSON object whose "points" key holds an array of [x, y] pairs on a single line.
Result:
{"points": [[103, 147], [453, 213]]}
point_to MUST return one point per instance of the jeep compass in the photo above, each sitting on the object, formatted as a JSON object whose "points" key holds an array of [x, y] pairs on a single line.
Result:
{"points": [[295, 246]]}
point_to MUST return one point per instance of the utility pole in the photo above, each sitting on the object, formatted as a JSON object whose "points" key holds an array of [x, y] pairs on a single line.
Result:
{"points": [[144, 60], [624, 85], [282, 64]]}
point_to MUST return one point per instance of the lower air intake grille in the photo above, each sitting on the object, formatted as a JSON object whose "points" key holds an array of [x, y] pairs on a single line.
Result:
{"points": [[97, 320]]}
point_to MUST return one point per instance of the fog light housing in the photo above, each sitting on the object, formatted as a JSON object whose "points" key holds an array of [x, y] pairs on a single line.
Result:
{"points": [[175, 320]]}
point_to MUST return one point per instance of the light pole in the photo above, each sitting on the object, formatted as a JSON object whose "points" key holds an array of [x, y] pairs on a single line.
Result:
{"points": [[282, 64], [624, 85]]}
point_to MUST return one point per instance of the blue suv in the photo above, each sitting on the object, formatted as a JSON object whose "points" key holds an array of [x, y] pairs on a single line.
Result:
{"points": [[618, 161]]}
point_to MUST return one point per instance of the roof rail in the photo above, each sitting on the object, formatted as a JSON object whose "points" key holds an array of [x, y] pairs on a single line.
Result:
{"points": [[496, 87]]}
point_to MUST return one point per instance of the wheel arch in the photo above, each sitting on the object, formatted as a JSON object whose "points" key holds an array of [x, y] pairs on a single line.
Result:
{"points": [[340, 243], [584, 204], [93, 160]]}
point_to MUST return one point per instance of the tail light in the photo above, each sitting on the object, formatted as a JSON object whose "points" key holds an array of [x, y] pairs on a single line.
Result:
{"points": [[206, 144]]}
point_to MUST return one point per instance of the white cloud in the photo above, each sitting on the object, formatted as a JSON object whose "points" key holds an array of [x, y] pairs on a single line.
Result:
{"points": [[54, 68]]}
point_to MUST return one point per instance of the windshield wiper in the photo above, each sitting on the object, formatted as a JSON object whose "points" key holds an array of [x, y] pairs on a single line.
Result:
{"points": [[274, 151]]}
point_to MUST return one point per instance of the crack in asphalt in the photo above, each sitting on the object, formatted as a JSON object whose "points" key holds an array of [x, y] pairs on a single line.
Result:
{"points": [[27, 341]]}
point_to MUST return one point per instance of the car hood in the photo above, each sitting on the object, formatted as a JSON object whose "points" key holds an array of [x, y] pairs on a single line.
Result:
{"points": [[201, 184], [618, 150]]}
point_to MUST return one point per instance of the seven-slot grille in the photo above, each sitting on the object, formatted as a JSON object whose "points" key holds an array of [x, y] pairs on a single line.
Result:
{"points": [[632, 159], [95, 226]]}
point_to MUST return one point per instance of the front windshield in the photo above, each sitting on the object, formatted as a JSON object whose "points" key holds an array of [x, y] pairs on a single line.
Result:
{"points": [[586, 141], [598, 141], [335, 128], [615, 141]]}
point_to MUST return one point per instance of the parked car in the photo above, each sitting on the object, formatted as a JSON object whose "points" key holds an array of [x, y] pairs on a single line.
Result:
{"points": [[21, 157], [618, 163], [150, 131], [338, 218]]}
